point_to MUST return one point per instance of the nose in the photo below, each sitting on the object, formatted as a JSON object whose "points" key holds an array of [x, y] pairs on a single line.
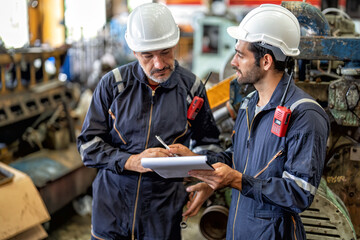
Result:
{"points": [[233, 61], [159, 62]]}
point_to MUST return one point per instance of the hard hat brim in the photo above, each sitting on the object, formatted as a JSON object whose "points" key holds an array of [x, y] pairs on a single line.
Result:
{"points": [[234, 33], [270, 24], [152, 46]]}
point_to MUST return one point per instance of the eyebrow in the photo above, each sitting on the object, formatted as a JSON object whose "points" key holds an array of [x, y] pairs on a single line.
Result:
{"points": [[239, 52]]}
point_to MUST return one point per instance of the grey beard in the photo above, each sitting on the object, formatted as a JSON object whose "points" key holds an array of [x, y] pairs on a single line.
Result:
{"points": [[158, 80], [155, 79]]}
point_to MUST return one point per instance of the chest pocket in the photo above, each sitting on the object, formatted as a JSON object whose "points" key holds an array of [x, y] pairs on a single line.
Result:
{"points": [[275, 164], [117, 132], [116, 129]]}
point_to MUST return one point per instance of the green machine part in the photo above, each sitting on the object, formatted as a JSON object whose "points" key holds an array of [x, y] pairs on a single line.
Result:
{"points": [[212, 45]]}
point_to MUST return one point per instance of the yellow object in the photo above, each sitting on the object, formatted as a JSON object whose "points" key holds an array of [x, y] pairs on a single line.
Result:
{"points": [[22, 209], [45, 22], [220, 93]]}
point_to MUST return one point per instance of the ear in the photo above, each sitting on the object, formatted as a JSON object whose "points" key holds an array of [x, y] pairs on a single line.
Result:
{"points": [[268, 61], [136, 55]]}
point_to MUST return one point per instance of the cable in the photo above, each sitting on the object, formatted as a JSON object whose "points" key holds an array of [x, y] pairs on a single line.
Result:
{"points": [[286, 90]]}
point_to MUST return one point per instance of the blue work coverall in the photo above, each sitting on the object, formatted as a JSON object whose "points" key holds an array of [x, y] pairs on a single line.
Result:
{"points": [[123, 118], [280, 174]]}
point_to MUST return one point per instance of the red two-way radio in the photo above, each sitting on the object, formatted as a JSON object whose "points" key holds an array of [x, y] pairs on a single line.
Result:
{"points": [[281, 121], [282, 115], [196, 104], [195, 107]]}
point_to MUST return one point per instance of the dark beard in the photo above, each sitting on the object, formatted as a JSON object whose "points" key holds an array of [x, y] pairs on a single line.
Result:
{"points": [[251, 77]]}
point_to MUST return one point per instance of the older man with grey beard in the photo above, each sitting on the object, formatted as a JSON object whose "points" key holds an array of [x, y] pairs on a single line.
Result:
{"points": [[130, 106]]}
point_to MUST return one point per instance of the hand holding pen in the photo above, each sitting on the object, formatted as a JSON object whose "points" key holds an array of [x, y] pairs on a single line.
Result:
{"points": [[164, 144]]}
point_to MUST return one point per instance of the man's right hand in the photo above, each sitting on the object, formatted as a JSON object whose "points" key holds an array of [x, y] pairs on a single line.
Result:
{"points": [[134, 161], [222, 176]]}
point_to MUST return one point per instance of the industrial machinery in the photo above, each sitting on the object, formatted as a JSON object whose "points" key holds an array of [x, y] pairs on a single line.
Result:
{"points": [[328, 68], [37, 138], [211, 45]]}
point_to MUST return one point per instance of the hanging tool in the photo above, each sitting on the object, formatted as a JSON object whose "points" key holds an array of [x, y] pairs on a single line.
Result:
{"points": [[183, 223]]}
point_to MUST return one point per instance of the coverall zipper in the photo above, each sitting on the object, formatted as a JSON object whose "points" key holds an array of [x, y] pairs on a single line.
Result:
{"points": [[93, 234], [114, 118], [138, 184], [186, 128], [292, 217], [272, 159], [247, 159]]}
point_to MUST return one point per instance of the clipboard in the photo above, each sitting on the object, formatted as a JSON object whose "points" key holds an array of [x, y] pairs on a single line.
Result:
{"points": [[176, 167]]}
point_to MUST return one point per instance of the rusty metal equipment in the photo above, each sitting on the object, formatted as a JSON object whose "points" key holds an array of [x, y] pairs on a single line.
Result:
{"points": [[327, 217], [214, 218], [37, 130], [213, 222], [329, 69]]}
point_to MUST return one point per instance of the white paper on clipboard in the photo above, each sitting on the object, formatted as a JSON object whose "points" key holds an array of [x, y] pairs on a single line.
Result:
{"points": [[176, 167]]}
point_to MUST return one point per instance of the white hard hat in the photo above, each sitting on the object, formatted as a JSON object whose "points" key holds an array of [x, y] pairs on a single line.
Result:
{"points": [[151, 27], [272, 25]]}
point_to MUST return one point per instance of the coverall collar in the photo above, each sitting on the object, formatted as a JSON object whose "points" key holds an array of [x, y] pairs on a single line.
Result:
{"points": [[277, 94], [275, 98]]}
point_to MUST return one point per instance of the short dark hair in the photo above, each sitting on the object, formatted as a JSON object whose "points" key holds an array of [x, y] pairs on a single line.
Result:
{"points": [[259, 51]]}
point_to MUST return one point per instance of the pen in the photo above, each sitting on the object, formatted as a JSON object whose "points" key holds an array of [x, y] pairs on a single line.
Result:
{"points": [[163, 143]]}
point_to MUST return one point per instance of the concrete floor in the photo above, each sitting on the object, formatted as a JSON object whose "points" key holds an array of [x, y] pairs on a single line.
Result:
{"points": [[66, 224]]}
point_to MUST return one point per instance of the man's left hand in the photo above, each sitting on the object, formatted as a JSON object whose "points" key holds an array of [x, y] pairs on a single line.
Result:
{"points": [[181, 150], [199, 193]]}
